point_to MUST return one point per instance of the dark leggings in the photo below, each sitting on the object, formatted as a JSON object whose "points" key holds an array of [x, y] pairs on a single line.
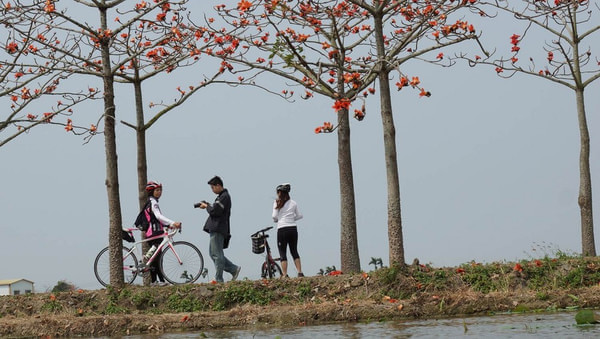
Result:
{"points": [[155, 264], [287, 236]]}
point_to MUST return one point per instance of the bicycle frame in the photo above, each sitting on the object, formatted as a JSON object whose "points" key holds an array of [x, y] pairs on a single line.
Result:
{"points": [[269, 257], [269, 266], [167, 240]]}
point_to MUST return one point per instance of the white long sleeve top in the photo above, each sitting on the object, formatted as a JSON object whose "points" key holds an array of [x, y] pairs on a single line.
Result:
{"points": [[157, 213], [287, 215]]}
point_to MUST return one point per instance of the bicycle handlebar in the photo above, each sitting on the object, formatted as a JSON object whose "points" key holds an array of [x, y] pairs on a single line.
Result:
{"points": [[172, 231], [262, 231]]}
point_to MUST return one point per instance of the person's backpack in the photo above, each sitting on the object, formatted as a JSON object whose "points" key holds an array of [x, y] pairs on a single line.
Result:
{"points": [[142, 222]]}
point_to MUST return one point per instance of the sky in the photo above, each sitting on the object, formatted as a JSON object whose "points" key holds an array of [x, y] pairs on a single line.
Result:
{"points": [[488, 172]]}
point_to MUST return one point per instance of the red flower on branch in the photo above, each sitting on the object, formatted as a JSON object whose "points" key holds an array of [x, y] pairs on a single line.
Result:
{"points": [[402, 83], [141, 5], [69, 126], [341, 104], [244, 5], [49, 7], [12, 47], [327, 127]]}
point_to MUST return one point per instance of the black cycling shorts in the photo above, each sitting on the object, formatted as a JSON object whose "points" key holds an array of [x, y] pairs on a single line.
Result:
{"points": [[287, 236]]}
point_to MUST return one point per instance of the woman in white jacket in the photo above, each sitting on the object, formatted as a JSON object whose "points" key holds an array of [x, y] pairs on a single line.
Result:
{"points": [[285, 214]]}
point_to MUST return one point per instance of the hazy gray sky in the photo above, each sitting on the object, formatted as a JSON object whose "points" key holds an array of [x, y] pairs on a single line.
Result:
{"points": [[488, 171]]}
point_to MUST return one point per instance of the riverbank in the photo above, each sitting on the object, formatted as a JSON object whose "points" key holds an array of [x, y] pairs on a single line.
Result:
{"points": [[415, 291]]}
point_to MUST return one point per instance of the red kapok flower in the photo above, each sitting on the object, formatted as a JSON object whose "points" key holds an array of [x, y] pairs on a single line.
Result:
{"points": [[341, 104], [49, 7], [244, 5], [518, 268]]}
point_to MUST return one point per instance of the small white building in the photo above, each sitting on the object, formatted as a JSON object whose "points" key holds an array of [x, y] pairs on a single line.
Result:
{"points": [[16, 286]]}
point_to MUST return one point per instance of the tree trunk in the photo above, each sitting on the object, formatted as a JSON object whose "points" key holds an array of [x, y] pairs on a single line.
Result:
{"points": [[588, 246], [112, 173], [585, 181], [349, 239], [395, 239], [142, 167]]}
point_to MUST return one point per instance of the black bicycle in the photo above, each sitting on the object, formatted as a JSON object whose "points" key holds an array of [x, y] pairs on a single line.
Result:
{"points": [[269, 269]]}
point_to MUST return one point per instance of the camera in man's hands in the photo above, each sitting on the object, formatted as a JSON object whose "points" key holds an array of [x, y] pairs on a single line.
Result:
{"points": [[197, 205]]}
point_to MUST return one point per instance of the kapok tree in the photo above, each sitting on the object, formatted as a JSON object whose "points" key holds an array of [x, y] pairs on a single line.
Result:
{"points": [[156, 48], [312, 51], [31, 91], [402, 31], [338, 49], [97, 51], [566, 58]]}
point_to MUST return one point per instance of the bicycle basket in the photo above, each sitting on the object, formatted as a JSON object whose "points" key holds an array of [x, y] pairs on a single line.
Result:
{"points": [[258, 244]]}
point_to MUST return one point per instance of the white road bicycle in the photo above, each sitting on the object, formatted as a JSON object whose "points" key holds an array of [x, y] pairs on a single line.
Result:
{"points": [[180, 262]]}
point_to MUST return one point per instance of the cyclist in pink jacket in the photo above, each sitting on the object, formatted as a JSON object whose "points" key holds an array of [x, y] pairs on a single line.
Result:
{"points": [[154, 190]]}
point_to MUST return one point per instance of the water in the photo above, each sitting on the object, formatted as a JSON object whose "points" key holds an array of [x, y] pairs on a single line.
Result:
{"points": [[540, 325]]}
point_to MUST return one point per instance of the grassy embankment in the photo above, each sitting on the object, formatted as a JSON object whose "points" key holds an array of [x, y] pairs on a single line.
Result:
{"points": [[546, 284]]}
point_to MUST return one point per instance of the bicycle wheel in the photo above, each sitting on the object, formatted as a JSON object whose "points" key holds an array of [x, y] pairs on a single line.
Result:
{"points": [[102, 266], [182, 264], [274, 272]]}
